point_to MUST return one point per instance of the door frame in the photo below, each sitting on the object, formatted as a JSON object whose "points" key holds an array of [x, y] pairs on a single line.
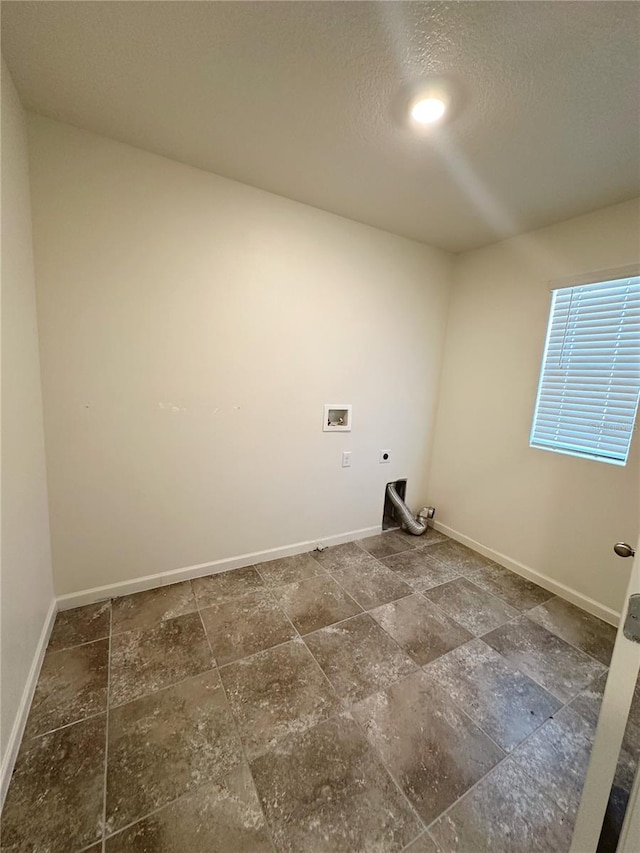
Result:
{"points": [[612, 722]]}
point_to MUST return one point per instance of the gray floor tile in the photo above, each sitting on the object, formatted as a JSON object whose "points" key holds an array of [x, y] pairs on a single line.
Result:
{"points": [[178, 736], [577, 627], [423, 630], [275, 693], [503, 701], [80, 625], [432, 749], [557, 666], [214, 589], [344, 556], [289, 569], [144, 609], [372, 585], [72, 686], [508, 812], [431, 537], [386, 544], [557, 756], [166, 744], [245, 626], [325, 790], [148, 659], [587, 705], [587, 702], [315, 602], [474, 608], [55, 799], [219, 817], [515, 590], [358, 657], [460, 558], [419, 569]]}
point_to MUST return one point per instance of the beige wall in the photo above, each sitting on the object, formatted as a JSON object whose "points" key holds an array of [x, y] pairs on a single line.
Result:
{"points": [[26, 587], [191, 330], [555, 514]]}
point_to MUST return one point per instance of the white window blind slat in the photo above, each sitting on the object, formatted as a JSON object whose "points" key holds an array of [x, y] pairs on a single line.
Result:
{"points": [[590, 379]]}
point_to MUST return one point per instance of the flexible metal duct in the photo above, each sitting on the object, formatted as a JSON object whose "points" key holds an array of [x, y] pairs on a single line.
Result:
{"points": [[413, 525]]}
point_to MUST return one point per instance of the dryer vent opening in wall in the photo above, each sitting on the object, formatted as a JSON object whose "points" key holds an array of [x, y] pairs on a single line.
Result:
{"points": [[389, 520]]}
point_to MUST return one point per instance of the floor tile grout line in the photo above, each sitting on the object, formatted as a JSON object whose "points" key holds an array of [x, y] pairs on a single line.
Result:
{"points": [[270, 590], [346, 708], [290, 557], [478, 725], [297, 633], [65, 726], [374, 606], [423, 593], [573, 646], [344, 705], [260, 651], [392, 777], [502, 761], [535, 680], [300, 637], [513, 666], [152, 692], [153, 812], [480, 589], [324, 674], [77, 645], [330, 574], [486, 775], [474, 574], [519, 612], [159, 690], [185, 794], [525, 613], [236, 726], [106, 736], [424, 834], [346, 592], [197, 787]]}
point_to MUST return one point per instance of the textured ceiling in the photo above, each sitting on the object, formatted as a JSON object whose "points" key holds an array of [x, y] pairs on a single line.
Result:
{"points": [[302, 99]]}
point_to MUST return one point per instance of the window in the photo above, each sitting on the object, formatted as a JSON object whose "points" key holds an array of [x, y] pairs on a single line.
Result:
{"points": [[590, 378]]}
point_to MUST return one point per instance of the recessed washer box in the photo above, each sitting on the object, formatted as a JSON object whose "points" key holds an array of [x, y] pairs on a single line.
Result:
{"points": [[337, 417]]}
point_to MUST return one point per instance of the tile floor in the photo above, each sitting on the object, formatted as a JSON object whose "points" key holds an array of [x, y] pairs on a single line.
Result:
{"points": [[387, 695]]}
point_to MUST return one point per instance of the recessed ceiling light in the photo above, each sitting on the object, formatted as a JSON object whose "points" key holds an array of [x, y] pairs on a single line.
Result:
{"points": [[428, 110]]}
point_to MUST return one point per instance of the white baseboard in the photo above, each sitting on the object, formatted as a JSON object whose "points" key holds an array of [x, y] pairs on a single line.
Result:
{"points": [[99, 593], [17, 730], [607, 614]]}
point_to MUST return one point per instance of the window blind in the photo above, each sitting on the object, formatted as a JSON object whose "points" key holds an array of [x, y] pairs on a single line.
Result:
{"points": [[590, 378]]}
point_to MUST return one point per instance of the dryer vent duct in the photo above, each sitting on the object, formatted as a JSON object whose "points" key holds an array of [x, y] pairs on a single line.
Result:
{"points": [[416, 526]]}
